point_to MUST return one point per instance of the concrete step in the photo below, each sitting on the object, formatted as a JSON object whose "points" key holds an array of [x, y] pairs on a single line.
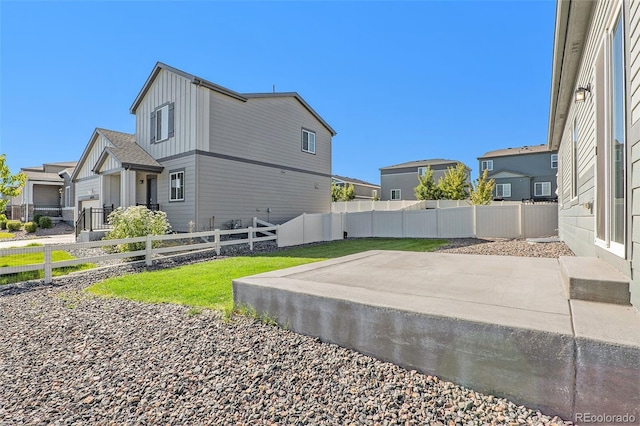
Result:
{"points": [[594, 280]]}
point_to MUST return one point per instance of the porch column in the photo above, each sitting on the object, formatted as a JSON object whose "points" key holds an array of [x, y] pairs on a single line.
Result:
{"points": [[128, 188]]}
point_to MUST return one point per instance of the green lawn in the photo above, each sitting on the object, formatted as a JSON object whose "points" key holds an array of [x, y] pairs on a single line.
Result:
{"points": [[208, 285], [34, 258]]}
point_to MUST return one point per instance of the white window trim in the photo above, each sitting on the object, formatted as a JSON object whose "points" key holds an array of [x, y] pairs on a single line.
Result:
{"points": [[486, 165], [542, 186], [422, 171], [503, 186], [171, 179], [399, 195], [309, 143], [554, 161], [164, 123]]}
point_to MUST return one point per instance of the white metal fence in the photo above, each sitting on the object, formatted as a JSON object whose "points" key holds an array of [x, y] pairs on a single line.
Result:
{"points": [[513, 220]]}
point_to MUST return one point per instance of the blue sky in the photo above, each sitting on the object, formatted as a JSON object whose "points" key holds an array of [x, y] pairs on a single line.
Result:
{"points": [[398, 81]]}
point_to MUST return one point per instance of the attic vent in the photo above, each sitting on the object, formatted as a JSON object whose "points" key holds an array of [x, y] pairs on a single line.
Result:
{"points": [[575, 46]]}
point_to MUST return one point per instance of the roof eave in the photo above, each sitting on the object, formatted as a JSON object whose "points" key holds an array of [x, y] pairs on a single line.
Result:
{"points": [[573, 19]]}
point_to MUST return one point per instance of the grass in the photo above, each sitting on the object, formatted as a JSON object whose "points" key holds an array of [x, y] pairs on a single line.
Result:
{"points": [[208, 285], [5, 235], [35, 258]]}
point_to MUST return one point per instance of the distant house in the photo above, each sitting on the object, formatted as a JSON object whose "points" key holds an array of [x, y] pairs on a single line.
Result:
{"points": [[46, 192], [522, 173], [398, 181], [363, 190], [209, 156]]}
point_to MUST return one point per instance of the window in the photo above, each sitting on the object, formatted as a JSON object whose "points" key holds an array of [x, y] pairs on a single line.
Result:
{"points": [[503, 190], [162, 123], [541, 189], [308, 141], [374, 193], [422, 171], [486, 165], [554, 161], [396, 194], [611, 137], [176, 187]]}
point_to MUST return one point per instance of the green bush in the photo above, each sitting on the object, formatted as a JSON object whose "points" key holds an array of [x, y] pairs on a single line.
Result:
{"points": [[44, 222], [36, 218], [136, 221], [30, 227], [3, 224], [3, 217], [14, 225]]}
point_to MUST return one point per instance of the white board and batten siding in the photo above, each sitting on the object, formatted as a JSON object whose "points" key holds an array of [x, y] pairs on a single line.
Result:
{"points": [[98, 146], [190, 113]]}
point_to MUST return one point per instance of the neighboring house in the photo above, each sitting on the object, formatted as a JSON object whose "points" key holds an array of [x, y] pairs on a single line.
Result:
{"points": [[45, 192], [594, 123], [209, 156], [363, 190], [522, 173], [397, 182]]}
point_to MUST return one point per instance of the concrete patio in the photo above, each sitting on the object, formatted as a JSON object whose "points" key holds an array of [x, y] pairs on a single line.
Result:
{"points": [[496, 324]]}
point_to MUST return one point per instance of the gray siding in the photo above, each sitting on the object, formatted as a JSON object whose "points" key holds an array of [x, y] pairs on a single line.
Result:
{"points": [[180, 213], [406, 180], [633, 117], [235, 190], [537, 168]]}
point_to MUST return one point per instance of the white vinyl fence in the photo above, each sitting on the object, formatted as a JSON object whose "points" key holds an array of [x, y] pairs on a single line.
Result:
{"points": [[369, 205], [514, 220]]}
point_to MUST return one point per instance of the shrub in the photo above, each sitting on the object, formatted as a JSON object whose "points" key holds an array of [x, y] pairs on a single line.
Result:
{"points": [[3, 224], [14, 225], [30, 227], [3, 217], [36, 218], [44, 222], [136, 221]]}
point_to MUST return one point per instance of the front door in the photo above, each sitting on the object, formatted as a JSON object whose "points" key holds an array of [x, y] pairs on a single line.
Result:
{"points": [[152, 191]]}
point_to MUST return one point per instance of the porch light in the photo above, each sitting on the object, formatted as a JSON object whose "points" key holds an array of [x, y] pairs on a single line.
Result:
{"points": [[141, 181], [581, 93]]}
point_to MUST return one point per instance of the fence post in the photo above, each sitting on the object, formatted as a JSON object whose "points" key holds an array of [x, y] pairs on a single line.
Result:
{"points": [[90, 219], [278, 235], [149, 251], [303, 227], [475, 221], [48, 266], [404, 224], [216, 240], [521, 220], [251, 238], [255, 222]]}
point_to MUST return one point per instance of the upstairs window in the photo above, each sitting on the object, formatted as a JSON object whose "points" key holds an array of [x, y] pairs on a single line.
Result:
{"points": [[308, 141], [396, 194], [486, 165], [176, 186], [554, 161], [162, 125], [422, 171]]}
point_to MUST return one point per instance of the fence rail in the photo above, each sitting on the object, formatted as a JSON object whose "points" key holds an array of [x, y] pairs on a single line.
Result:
{"points": [[152, 246]]}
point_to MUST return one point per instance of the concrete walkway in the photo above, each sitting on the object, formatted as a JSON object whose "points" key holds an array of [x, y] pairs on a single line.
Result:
{"points": [[50, 239], [497, 324]]}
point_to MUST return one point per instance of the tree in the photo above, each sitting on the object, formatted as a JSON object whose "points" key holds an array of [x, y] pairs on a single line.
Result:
{"points": [[482, 190], [454, 184], [10, 185], [345, 192], [427, 188]]}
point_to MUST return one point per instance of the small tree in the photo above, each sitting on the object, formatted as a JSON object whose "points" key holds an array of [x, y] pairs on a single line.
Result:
{"points": [[454, 184], [10, 185], [482, 190], [136, 221], [345, 192], [427, 189]]}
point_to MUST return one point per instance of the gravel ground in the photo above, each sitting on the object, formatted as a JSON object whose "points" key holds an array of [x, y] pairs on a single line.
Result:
{"points": [[57, 229], [67, 357]]}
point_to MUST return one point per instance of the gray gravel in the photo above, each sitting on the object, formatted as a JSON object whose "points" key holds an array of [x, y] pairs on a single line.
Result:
{"points": [[67, 357]]}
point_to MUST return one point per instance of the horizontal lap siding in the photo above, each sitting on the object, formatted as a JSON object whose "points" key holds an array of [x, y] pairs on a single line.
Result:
{"points": [[234, 190], [576, 221], [633, 41], [267, 130], [179, 213]]}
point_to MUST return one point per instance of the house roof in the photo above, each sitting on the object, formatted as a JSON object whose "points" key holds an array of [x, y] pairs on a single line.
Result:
{"points": [[505, 173], [535, 149], [40, 175], [573, 19], [354, 181], [421, 163], [201, 82], [127, 152]]}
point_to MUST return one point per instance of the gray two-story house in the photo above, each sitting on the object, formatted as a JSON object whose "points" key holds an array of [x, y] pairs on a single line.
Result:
{"points": [[208, 156], [522, 173], [398, 181], [363, 190]]}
